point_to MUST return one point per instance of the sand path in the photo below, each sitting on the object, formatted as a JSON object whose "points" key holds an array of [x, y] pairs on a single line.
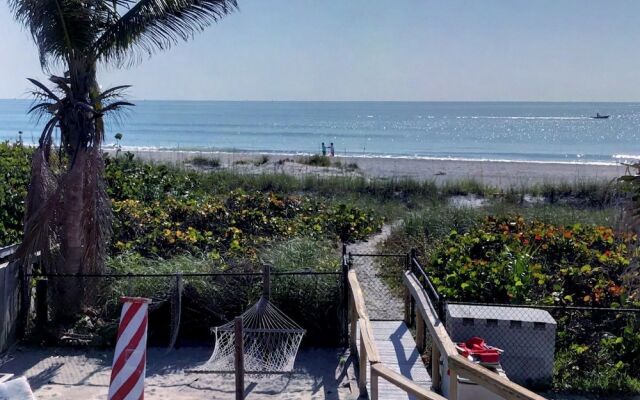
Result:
{"points": [[381, 302], [83, 374]]}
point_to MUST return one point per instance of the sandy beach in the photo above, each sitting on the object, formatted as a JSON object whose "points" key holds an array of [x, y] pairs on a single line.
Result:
{"points": [[496, 173], [64, 373]]}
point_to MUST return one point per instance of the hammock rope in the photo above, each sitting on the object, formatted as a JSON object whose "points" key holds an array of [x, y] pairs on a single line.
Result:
{"points": [[271, 339]]}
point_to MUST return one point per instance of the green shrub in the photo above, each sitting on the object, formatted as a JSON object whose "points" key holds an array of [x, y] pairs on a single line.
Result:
{"points": [[263, 159], [237, 223], [15, 169], [510, 259], [515, 260], [313, 301], [316, 160], [205, 162], [603, 361]]}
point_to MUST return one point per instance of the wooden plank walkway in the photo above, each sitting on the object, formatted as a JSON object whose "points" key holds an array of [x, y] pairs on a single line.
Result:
{"points": [[398, 352]]}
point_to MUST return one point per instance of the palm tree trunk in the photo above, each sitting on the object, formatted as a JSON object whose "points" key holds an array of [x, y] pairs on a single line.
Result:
{"points": [[80, 127], [70, 291]]}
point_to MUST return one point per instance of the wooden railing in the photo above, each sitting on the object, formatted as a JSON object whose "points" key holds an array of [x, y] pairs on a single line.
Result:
{"points": [[368, 353], [442, 345]]}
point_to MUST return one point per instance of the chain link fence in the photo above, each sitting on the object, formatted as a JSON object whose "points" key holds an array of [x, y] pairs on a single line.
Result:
{"points": [[186, 306], [382, 294], [545, 346]]}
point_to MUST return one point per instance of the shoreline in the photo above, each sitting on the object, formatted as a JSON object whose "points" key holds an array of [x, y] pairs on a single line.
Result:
{"points": [[616, 159], [496, 173]]}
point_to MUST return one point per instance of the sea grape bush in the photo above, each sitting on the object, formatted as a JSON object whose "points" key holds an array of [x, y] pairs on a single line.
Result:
{"points": [[15, 167], [510, 259], [162, 210], [237, 223]]}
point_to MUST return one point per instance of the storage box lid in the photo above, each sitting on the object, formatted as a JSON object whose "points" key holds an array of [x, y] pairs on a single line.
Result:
{"points": [[524, 314]]}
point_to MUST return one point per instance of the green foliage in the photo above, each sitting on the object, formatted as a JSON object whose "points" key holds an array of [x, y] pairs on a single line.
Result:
{"points": [[604, 362], [541, 257], [15, 167], [316, 160], [312, 301], [128, 178], [263, 159], [631, 184], [236, 223], [510, 259], [205, 162]]}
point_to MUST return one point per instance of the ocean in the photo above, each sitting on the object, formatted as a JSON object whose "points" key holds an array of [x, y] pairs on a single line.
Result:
{"points": [[505, 131]]}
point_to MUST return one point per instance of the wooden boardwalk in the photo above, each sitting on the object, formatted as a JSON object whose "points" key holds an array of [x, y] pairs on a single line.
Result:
{"points": [[398, 352]]}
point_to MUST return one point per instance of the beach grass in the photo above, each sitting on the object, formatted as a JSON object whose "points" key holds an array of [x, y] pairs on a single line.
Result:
{"points": [[206, 162]]}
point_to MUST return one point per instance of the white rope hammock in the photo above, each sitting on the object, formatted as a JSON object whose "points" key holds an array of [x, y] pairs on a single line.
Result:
{"points": [[270, 339]]}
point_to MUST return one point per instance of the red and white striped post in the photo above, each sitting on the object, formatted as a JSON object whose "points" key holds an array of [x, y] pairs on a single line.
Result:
{"points": [[130, 358]]}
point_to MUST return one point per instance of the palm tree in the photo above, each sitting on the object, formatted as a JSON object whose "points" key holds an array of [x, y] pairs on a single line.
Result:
{"points": [[68, 214]]}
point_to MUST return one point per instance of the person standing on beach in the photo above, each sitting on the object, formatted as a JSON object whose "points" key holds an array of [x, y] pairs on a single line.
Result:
{"points": [[324, 149], [332, 150]]}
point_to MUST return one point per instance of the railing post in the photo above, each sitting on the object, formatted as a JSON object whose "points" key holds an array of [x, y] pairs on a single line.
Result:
{"points": [[420, 336], [345, 296], [374, 384], [435, 366], [353, 326], [453, 385], [412, 257], [362, 366]]}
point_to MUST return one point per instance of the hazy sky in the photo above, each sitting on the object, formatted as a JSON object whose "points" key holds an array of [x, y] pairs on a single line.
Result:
{"points": [[551, 50]]}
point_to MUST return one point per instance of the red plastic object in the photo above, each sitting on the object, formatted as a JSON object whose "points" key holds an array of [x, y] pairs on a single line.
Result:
{"points": [[478, 349]]}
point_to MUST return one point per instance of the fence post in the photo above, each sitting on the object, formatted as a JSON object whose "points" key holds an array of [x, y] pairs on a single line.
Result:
{"points": [[442, 306], [239, 358], [41, 303], [412, 301], [407, 306], [266, 281]]}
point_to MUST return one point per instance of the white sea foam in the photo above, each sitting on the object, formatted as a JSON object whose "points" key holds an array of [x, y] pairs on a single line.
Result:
{"points": [[520, 117], [626, 156]]}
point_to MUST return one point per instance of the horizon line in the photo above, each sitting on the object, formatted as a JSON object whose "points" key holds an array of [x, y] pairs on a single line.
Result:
{"points": [[365, 101]]}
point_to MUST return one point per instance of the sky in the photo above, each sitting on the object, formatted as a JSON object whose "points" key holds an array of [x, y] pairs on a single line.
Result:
{"points": [[380, 50]]}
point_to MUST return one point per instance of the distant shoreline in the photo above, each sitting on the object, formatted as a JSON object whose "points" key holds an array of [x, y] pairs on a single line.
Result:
{"points": [[496, 173], [617, 159]]}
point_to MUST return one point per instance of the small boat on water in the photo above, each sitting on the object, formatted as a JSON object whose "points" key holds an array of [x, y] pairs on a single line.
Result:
{"points": [[598, 116]]}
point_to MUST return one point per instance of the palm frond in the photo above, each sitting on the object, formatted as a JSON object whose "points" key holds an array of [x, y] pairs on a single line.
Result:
{"points": [[45, 89], [96, 214], [42, 202], [152, 25], [61, 29], [116, 106], [116, 91]]}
